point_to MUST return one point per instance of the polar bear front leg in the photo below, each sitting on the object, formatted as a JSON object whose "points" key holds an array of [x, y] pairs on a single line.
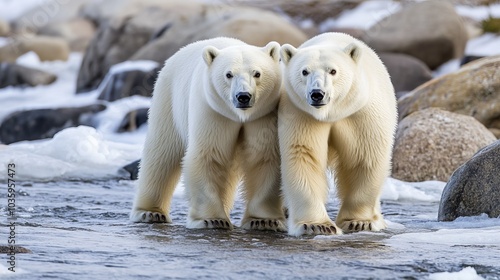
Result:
{"points": [[159, 172], [210, 175], [364, 153], [261, 168], [304, 149]]}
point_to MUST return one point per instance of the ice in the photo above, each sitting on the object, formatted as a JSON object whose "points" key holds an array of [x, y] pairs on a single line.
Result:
{"points": [[420, 191], [78, 152], [468, 273], [487, 236], [109, 120]]}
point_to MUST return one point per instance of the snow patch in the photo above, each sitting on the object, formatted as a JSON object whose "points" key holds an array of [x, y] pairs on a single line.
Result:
{"points": [[468, 273]]}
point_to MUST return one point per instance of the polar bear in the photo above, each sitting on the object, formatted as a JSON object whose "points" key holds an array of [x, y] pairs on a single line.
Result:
{"points": [[339, 113], [214, 109]]}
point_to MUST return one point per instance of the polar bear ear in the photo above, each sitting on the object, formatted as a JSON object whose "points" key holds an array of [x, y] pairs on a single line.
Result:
{"points": [[354, 51], [272, 49], [209, 54], [287, 52]]}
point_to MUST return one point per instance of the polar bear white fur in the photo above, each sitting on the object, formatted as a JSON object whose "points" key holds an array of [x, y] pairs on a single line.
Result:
{"points": [[339, 113], [214, 109]]}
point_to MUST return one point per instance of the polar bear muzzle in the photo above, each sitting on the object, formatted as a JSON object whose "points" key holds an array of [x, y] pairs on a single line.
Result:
{"points": [[317, 98], [243, 100]]}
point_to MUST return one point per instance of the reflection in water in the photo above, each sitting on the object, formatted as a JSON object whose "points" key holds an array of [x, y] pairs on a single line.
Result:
{"points": [[80, 230]]}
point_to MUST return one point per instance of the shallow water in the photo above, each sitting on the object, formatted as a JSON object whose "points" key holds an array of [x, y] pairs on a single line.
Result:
{"points": [[80, 230]]}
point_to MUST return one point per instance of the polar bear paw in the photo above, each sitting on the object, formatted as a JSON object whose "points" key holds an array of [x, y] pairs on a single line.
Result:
{"points": [[356, 225], [327, 228], [264, 224], [141, 216], [210, 224]]}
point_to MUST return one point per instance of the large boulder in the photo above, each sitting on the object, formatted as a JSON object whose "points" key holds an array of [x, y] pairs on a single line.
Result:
{"points": [[430, 144], [474, 188], [131, 80], [77, 32], [429, 30], [4, 28], [406, 72], [44, 123], [46, 48], [18, 75], [473, 90], [158, 31]]}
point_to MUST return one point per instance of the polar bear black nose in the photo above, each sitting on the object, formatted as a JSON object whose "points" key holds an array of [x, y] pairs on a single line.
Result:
{"points": [[243, 97], [317, 95]]}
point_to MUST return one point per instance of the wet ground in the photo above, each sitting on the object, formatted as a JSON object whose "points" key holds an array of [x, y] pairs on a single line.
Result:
{"points": [[80, 230]]}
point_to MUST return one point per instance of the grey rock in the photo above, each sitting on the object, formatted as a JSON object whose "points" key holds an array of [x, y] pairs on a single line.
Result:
{"points": [[474, 188], [406, 72], [17, 75], [133, 169], [128, 83], [44, 123], [430, 144], [429, 30], [134, 120]]}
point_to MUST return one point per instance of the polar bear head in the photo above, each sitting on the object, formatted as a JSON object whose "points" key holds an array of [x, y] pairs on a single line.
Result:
{"points": [[244, 80], [322, 79]]}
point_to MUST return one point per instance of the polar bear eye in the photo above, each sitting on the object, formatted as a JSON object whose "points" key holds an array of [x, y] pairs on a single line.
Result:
{"points": [[229, 75], [305, 73], [256, 75], [333, 72]]}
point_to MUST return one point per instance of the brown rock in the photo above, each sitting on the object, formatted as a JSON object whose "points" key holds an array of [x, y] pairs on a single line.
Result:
{"points": [[473, 90], [250, 25], [156, 32], [4, 28], [429, 30], [316, 10], [430, 144], [47, 48], [77, 32]]}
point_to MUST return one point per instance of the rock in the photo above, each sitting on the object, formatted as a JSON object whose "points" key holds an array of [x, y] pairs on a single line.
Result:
{"points": [[17, 75], [315, 10], [18, 250], [47, 48], [134, 120], [469, 58], [128, 83], [4, 28], [133, 169], [406, 72], [473, 90], [474, 188], [429, 30], [44, 123], [77, 32], [157, 33], [430, 144], [495, 132]]}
